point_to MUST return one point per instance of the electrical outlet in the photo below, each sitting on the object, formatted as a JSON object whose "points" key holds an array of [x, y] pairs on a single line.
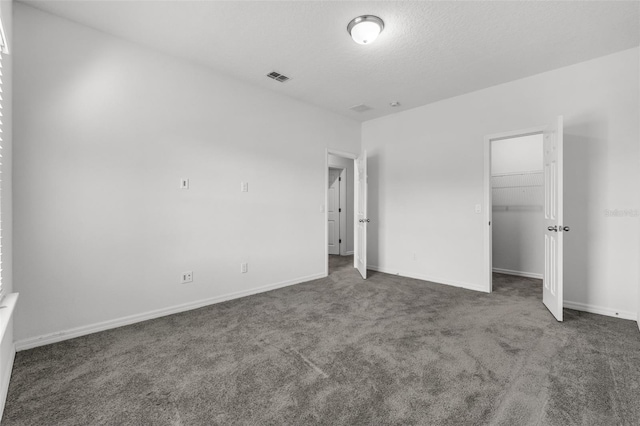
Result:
{"points": [[187, 277], [244, 268], [244, 186], [184, 183], [478, 208]]}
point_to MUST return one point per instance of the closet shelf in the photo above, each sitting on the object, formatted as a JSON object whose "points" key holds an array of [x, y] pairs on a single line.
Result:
{"points": [[518, 186], [518, 191], [517, 208]]}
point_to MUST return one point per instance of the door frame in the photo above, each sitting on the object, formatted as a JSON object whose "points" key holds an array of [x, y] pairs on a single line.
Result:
{"points": [[488, 198], [343, 154]]}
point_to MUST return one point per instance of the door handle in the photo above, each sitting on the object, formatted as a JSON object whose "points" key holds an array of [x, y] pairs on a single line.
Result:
{"points": [[364, 220], [565, 228], [553, 228]]}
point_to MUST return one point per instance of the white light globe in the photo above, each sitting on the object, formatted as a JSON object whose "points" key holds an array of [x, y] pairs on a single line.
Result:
{"points": [[365, 32]]}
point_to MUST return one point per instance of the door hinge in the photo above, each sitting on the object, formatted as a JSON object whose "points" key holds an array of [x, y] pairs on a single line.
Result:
{"points": [[339, 179], [339, 210], [340, 241]]}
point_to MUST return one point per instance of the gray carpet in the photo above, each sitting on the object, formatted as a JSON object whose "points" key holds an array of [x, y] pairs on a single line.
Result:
{"points": [[342, 351]]}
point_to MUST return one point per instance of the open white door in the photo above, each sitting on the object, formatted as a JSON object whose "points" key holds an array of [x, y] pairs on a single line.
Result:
{"points": [[553, 219], [360, 218], [333, 211]]}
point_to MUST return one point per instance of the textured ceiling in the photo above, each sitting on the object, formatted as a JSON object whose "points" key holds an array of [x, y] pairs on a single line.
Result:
{"points": [[429, 50]]}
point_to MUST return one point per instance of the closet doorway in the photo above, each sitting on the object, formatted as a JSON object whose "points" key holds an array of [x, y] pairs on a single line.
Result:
{"points": [[340, 210], [524, 209], [517, 187]]}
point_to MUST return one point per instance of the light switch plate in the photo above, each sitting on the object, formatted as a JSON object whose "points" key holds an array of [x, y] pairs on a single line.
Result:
{"points": [[244, 186], [478, 208], [184, 183]]}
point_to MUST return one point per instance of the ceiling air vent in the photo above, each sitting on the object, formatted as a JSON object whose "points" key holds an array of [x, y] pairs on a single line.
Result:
{"points": [[278, 77], [360, 108]]}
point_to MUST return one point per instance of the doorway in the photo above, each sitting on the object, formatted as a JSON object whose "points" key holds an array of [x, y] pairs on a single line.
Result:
{"points": [[517, 189], [340, 211], [357, 222], [526, 197]]}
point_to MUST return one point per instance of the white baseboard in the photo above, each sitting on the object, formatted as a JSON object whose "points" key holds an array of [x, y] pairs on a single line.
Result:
{"points": [[584, 307], [567, 304], [348, 253], [593, 309], [6, 377], [518, 273], [436, 280], [71, 333]]}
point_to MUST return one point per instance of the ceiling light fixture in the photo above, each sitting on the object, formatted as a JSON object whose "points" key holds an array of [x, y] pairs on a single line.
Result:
{"points": [[365, 29]]}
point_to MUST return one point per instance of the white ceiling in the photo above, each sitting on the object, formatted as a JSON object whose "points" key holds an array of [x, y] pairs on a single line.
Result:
{"points": [[429, 50]]}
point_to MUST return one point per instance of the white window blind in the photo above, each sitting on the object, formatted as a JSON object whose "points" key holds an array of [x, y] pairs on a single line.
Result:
{"points": [[3, 51]]}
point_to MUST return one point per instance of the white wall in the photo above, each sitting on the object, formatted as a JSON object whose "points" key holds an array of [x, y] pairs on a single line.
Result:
{"points": [[6, 345], [514, 155], [105, 130], [518, 220], [347, 164], [426, 175]]}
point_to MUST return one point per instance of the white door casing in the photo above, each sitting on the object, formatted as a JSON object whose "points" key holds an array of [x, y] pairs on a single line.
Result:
{"points": [[333, 211], [552, 291], [360, 218]]}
